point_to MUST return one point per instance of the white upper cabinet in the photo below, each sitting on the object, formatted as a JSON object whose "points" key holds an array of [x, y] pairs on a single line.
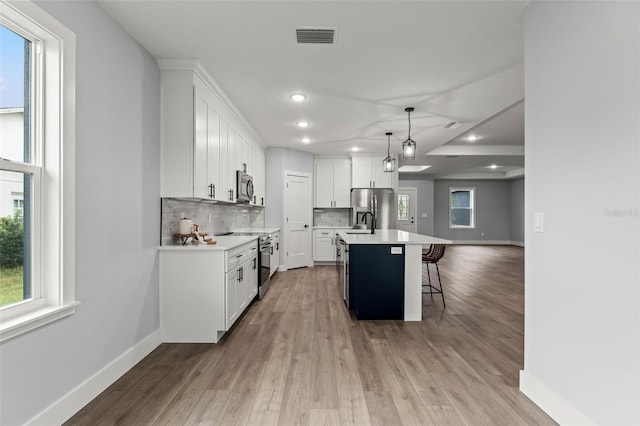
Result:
{"points": [[202, 143], [368, 173], [259, 177], [207, 141], [332, 182], [191, 137]]}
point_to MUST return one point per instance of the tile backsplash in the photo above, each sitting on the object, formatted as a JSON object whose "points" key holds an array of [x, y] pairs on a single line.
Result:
{"points": [[331, 217], [224, 217]]}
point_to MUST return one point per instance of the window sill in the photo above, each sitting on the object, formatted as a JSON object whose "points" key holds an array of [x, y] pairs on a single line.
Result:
{"points": [[32, 320]]}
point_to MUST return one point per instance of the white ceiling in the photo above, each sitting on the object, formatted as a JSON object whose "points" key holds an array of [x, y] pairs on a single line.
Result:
{"points": [[452, 60]]}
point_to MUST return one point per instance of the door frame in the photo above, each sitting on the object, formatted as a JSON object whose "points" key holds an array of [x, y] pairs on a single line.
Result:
{"points": [[413, 190], [309, 210]]}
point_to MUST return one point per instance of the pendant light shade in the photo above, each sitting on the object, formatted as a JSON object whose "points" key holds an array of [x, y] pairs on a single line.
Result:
{"points": [[409, 146], [389, 163]]}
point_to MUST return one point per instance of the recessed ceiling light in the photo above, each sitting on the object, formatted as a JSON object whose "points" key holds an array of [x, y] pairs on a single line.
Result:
{"points": [[472, 138], [306, 140], [298, 97], [355, 149], [493, 166], [303, 124], [412, 169]]}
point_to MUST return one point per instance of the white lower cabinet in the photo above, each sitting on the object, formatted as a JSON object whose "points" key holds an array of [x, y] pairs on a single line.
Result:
{"points": [[203, 293], [324, 245]]}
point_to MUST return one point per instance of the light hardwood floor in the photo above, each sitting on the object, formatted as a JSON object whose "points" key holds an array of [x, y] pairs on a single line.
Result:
{"points": [[298, 358]]}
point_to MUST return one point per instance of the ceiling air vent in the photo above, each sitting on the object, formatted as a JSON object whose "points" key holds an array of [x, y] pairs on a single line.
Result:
{"points": [[452, 125], [314, 35]]}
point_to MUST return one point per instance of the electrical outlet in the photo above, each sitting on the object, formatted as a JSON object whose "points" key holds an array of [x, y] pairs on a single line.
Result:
{"points": [[482, 234]]}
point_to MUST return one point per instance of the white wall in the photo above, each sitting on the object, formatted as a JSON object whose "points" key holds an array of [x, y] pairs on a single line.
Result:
{"points": [[118, 220], [582, 161]]}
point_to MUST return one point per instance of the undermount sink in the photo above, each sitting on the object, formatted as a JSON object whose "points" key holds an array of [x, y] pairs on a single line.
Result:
{"points": [[363, 231]]}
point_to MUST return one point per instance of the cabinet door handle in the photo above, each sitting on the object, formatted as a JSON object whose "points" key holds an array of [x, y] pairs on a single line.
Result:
{"points": [[254, 263], [278, 246], [271, 250], [262, 201], [255, 200]]}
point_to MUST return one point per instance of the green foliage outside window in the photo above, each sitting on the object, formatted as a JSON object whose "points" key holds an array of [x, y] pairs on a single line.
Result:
{"points": [[11, 240]]}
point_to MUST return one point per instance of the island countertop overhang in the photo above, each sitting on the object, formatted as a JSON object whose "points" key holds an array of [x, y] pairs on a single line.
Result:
{"points": [[389, 236]]}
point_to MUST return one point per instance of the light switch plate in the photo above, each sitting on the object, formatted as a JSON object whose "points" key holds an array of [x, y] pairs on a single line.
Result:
{"points": [[538, 222]]}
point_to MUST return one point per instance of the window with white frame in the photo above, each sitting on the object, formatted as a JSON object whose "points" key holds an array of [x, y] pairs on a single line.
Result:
{"points": [[37, 204], [462, 208]]}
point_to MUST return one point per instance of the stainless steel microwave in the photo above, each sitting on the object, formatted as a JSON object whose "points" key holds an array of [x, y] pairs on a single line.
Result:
{"points": [[244, 187]]}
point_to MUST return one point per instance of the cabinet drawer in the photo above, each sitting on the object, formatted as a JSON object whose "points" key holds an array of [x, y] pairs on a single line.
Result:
{"points": [[239, 255]]}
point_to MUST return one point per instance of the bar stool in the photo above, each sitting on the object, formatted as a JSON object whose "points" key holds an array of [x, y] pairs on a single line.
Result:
{"points": [[432, 256]]}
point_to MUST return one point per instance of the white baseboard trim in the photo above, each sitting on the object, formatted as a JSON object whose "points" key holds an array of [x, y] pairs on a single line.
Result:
{"points": [[517, 243], [62, 410], [552, 403], [485, 242]]}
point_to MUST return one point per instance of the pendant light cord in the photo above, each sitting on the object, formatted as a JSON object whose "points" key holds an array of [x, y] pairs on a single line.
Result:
{"points": [[409, 116]]}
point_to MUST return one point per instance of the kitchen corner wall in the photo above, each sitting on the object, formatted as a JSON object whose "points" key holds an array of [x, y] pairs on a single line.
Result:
{"points": [[277, 161], [224, 217], [117, 222]]}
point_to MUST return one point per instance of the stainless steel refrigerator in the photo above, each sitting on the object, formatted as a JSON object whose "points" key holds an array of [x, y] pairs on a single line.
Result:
{"points": [[381, 202]]}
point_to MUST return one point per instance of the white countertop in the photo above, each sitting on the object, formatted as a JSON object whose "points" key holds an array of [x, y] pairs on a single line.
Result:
{"points": [[332, 227], [223, 242], [389, 236], [257, 230]]}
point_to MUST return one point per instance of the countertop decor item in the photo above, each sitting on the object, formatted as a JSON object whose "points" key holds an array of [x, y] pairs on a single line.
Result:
{"points": [[186, 225], [184, 238]]}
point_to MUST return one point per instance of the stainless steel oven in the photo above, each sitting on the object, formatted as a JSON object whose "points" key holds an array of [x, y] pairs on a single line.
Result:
{"points": [[265, 246]]}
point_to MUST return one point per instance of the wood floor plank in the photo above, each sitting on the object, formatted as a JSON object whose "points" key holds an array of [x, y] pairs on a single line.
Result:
{"points": [[299, 357]]}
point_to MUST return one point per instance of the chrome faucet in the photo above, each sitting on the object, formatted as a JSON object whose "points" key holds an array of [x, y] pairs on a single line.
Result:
{"points": [[373, 220]]}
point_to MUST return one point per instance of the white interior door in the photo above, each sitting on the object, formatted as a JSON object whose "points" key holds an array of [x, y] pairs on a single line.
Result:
{"points": [[407, 209], [298, 220]]}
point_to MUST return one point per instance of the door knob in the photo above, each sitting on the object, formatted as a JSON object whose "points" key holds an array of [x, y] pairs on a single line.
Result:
{"points": [[306, 226]]}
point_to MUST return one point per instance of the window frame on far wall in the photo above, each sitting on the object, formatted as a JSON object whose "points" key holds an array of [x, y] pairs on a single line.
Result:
{"points": [[52, 121], [472, 207]]}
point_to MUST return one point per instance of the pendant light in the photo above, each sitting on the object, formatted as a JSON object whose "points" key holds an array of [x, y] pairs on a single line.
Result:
{"points": [[409, 146], [389, 163]]}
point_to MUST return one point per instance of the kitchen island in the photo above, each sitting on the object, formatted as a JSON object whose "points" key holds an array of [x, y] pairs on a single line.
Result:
{"points": [[385, 273]]}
